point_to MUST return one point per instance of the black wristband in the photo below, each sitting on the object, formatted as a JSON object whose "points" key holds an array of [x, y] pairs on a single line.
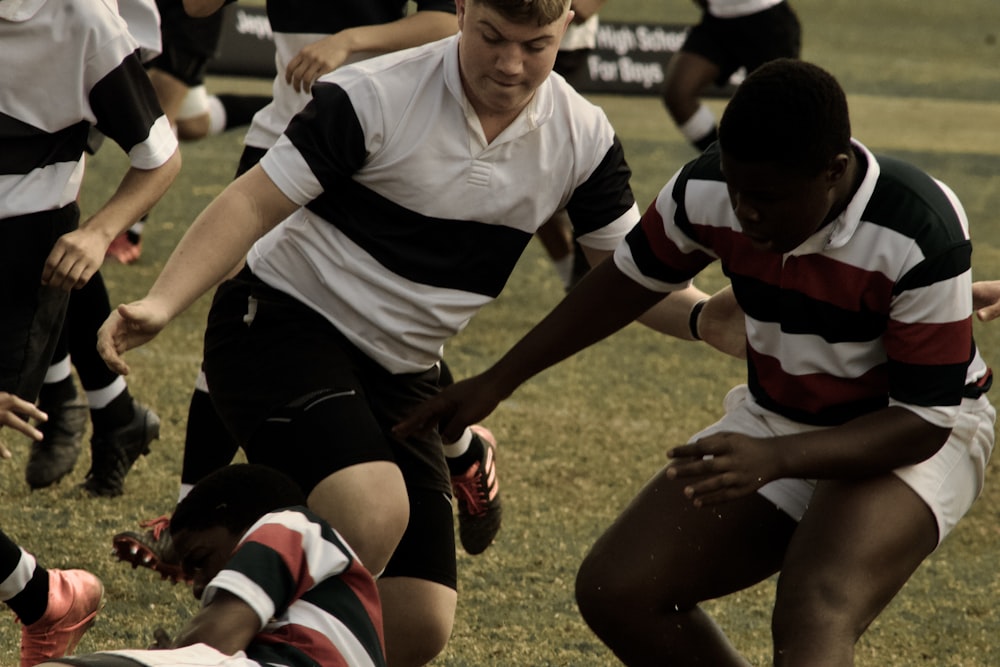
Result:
{"points": [[693, 318]]}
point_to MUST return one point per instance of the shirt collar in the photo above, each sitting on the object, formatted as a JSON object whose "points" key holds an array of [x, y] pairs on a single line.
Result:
{"points": [[17, 11], [842, 228]]}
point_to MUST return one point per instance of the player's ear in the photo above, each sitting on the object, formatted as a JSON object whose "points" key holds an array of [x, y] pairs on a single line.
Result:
{"points": [[837, 169]]}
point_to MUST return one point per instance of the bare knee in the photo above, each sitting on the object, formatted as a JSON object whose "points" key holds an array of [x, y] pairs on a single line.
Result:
{"points": [[603, 590]]}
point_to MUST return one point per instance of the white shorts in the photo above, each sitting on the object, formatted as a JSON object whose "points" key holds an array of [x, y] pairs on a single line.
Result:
{"points": [[196, 655], [948, 482]]}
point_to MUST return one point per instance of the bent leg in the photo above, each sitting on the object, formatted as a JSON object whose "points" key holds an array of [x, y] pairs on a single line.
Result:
{"points": [[687, 77], [856, 546], [367, 504], [639, 587]]}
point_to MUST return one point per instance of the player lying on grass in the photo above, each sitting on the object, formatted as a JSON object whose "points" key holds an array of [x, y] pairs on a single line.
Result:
{"points": [[277, 584], [863, 432]]}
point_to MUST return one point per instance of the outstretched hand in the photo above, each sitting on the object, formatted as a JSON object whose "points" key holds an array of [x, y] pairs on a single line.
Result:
{"points": [[128, 326], [453, 409], [726, 466]]}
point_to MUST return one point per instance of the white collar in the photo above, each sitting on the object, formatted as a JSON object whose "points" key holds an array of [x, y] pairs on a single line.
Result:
{"points": [[17, 11]]}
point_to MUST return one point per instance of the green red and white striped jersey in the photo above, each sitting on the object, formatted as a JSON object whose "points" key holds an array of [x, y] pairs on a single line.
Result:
{"points": [[875, 309], [317, 603]]}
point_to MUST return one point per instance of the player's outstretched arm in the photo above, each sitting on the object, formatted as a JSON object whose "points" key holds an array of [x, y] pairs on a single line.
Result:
{"points": [[986, 299], [217, 241]]}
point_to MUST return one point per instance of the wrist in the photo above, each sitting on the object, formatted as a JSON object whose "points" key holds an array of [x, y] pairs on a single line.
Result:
{"points": [[693, 318]]}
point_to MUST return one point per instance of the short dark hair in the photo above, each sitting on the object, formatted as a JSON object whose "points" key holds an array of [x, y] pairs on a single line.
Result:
{"points": [[789, 112], [540, 12], [235, 497]]}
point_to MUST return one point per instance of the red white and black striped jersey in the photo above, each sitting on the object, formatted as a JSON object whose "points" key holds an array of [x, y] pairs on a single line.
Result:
{"points": [[874, 309], [411, 221], [317, 603], [69, 65]]}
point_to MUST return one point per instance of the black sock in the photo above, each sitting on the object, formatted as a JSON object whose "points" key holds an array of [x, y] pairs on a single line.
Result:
{"points": [[241, 108], [706, 140], [30, 604], [464, 461], [57, 393], [114, 415]]}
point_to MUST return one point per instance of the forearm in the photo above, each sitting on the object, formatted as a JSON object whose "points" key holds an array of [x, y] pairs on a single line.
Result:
{"points": [[219, 239], [227, 624], [871, 445], [201, 8], [138, 191], [584, 9], [413, 30]]}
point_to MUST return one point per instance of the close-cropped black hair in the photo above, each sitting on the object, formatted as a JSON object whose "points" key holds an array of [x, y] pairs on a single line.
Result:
{"points": [[788, 112], [235, 497]]}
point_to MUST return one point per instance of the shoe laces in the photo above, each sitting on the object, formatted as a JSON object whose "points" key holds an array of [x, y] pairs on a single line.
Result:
{"points": [[157, 526], [476, 487]]}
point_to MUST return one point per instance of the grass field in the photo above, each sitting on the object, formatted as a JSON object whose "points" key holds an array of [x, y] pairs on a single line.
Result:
{"points": [[579, 440]]}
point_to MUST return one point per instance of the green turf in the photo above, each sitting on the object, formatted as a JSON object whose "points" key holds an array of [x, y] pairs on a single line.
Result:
{"points": [[579, 440]]}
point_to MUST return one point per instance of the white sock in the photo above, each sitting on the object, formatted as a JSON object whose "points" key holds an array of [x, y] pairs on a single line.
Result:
{"points": [[460, 446], [699, 125], [101, 398], [216, 115], [564, 268]]}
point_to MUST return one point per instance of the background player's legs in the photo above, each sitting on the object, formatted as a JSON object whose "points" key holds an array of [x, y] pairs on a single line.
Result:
{"points": [[688, 76]]}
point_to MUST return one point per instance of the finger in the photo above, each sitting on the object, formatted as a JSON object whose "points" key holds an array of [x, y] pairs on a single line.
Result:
{"points": [[987, 314], [419, 421], [5, 453], [692, 467], [15, 422]]}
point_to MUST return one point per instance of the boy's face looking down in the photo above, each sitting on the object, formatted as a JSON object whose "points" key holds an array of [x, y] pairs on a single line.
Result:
{"points": [[778, 207], [203, 553], [503, 62]]}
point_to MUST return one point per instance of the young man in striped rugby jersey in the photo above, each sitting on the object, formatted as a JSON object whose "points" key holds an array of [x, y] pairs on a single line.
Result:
{"points": [[277, 585], [863, 432]]}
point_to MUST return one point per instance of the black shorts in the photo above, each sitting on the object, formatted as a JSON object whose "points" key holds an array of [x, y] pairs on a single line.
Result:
{"points": [[188, 42], [32, 313], [746, 41], [301, 398]]}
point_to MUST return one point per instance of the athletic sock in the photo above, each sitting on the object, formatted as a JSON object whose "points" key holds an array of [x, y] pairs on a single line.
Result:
{"points": [[25, 584], [238, 110], [700, 129], [473, 451], [108, 415]]}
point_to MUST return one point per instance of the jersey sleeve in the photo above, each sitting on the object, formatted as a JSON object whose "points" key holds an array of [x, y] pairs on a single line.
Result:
{"points": [[120, 95], [279, 559], [659, 253], [128, 112], [323, 145]]}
